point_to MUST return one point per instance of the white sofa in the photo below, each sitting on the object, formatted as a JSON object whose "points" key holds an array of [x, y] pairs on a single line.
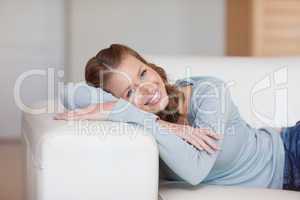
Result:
{"points": [[109, 160]]}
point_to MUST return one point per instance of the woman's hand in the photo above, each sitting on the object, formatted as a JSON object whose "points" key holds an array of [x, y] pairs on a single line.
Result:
{"points": [[201, 138], [97, 111]]}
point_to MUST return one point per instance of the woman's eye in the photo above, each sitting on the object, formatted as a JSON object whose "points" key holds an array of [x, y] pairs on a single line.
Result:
{"points": [[129, 93], [143, 73]]}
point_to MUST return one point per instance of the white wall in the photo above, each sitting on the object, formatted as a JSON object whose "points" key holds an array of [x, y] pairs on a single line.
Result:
{"points": [[151, 27], [31, 37]]}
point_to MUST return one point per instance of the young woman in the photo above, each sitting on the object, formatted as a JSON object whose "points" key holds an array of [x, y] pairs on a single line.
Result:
{"points": [[195, 108]]}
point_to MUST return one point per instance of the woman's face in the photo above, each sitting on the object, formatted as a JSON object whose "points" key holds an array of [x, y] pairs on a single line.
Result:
{"points": [[139, 84]]}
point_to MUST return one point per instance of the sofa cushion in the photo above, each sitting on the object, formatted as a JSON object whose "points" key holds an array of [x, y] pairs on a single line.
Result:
{"points": [[179, 191]]}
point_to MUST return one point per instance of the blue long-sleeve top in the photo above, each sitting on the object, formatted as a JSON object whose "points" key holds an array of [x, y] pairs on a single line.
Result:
{"points": [[248, 156]]}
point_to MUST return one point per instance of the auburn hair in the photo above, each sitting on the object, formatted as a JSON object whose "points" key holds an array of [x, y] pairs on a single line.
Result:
{"points": [[111, 57]]}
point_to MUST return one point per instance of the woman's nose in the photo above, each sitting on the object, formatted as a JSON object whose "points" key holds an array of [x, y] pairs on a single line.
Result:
{"points": [[146, 88]]}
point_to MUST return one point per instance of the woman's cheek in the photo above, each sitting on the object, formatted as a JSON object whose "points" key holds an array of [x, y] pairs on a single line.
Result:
{"points": [[139, 103]]}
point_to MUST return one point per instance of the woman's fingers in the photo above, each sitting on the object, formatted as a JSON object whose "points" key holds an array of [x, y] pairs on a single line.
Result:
{"points": [[97, 111], [89, 113], [207, 138], [200, 138], [71, 115], [76, 114], [194, 141], [63, 116], [214, 135], [210, 142], [86, 110], [210, 133], [200, 143]]}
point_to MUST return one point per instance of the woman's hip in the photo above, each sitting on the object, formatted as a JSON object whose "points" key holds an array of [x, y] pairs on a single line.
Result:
{"points": [[291, 140]]}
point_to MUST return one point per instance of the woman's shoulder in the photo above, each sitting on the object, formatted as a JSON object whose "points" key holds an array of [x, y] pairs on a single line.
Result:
{"points": [[203, 87], [200, 81]]}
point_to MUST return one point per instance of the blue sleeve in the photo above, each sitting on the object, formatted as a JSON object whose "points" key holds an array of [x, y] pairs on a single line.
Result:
{"points": [[80, 95]]}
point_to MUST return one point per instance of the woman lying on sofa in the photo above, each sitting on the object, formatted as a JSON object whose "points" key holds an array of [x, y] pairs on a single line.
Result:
{"points": [[200, 134]]}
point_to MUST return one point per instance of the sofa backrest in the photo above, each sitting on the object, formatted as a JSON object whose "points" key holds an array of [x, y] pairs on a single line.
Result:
{"points": [[265, 89]]}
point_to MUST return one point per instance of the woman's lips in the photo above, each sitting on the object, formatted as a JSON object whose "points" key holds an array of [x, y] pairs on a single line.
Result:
{"points": [[154, 99]]}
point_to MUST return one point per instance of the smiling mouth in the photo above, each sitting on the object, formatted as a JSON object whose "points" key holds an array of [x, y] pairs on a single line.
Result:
{"points": [[154, 99]]}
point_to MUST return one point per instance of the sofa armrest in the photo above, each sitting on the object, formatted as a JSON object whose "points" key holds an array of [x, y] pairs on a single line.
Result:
{"points": [[92, 160]]}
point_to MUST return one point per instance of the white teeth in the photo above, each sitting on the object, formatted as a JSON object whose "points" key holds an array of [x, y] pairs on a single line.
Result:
{"points": [[155, 97]]}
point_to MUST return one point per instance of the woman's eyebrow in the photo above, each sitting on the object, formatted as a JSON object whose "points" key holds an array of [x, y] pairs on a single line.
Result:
{"points": [[139, 71]]}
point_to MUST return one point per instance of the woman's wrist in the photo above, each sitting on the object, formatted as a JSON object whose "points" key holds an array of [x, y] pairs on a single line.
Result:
{"points": [[177, 129]]}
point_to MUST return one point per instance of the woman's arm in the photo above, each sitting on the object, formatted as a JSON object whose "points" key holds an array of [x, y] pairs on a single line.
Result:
{"points": [[80, 95], [213, 108]]}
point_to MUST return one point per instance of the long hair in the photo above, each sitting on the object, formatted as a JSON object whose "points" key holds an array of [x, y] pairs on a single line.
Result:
{"points": [[111, 58]]}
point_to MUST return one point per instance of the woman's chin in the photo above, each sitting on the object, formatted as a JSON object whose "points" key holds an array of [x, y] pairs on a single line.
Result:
{"points": [[154, 109], [161, 106]]}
